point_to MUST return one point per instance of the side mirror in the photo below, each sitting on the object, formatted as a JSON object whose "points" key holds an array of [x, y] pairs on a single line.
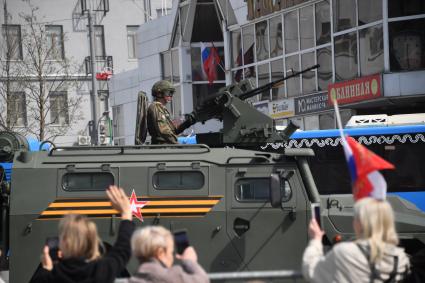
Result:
{"points": [[275, 191], [280, 190]]}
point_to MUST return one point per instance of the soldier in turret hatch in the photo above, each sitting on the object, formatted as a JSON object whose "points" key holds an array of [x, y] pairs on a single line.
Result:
{"points": [[160, 126]]}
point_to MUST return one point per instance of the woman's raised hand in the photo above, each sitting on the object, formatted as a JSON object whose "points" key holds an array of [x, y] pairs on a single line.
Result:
{"points": [[119, 201]]}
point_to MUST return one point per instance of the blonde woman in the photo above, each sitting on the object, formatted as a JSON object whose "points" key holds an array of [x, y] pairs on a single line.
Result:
{"points": [[153, 246], [79, 257], [372, 257]]}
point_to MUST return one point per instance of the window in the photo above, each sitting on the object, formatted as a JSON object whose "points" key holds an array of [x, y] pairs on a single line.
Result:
{"points": [[118, 121], [206, 24], [131, 41], [178, 180], [346, 56], [263, 79], [55, 48], [398, 8], [59, 108], [170, 62], [278, 92], [324, 73], [344, 14], [258, 190], [276, 43], [175, 65], [291, 32], [236, 48], [371, 44], [407, 45], [293, 84], [17, 110], [306, 27], [262, 35], [309, 78], [369, 11], [408, 175], [93, 181], [166, 65], [323, 23], [12, 36], [248, 44], [198, 73], [99, 41]]}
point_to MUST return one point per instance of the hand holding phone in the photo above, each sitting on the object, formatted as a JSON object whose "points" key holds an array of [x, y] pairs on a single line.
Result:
{"points": [[181, 240], [53, 244], [315, 213]]}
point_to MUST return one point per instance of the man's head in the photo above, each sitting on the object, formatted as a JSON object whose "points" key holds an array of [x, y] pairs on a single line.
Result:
{"points": [[163, 91]]}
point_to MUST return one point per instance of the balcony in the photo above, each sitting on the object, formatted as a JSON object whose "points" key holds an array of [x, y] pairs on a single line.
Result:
{"points": [[101, 6], [102, 63]]}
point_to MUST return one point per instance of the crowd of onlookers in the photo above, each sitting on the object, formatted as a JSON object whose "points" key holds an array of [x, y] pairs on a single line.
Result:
{"points": [[373, 257]]}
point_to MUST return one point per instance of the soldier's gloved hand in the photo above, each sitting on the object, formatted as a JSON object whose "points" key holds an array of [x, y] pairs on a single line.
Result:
{"points": [[191, 118]]}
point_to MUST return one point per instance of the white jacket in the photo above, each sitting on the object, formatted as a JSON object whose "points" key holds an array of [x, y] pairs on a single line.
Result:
{"points": [[346, 263]]}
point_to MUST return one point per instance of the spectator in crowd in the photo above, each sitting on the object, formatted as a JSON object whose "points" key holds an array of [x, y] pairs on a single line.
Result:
{"points": [[153, 246], [372, 256], [79, 256]]}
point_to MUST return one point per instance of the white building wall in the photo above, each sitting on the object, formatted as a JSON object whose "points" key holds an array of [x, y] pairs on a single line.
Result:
{"points": [[122, 13], [152, 39], [241, 11]]}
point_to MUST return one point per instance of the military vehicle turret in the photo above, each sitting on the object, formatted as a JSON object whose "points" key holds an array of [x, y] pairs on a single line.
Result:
{"points": [[243, 209]]}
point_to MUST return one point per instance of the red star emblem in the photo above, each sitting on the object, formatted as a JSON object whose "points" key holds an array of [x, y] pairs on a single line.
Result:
{"points": [[136, 206]]}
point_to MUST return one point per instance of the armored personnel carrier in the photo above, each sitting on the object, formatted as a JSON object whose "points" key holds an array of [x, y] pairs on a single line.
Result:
{"points": [[243, 209]]}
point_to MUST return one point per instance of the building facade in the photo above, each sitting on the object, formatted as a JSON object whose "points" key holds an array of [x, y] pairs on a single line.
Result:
{"points": [[62, 33], [350, 39], [371, 56]]}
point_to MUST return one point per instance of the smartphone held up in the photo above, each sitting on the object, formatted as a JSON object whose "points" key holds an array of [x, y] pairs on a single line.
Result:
{"points": [[181, 240], [315, 213], [53, 244]]}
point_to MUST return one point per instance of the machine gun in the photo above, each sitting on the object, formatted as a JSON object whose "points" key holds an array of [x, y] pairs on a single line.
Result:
{"points": [[243, 125]]}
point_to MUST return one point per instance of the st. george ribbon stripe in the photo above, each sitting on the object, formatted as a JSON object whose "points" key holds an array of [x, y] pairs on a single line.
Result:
{"points": [[164, 206], [145, 215], [109, 207], [174, 198]]}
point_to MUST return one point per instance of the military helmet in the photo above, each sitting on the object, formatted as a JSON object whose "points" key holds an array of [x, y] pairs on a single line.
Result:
{"points": [[163, 88]]}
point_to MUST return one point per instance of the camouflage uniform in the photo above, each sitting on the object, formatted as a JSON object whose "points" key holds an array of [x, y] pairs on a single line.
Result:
{"points": [[160, 126]]}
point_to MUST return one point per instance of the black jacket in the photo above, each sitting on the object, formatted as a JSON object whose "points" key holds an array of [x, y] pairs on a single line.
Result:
{"points": [[104, 269]]}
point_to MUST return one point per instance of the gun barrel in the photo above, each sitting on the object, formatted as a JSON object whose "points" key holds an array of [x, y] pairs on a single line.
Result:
{"points": [[268, 86]]}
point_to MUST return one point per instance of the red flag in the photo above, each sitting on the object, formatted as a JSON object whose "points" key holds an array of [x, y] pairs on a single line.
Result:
{"points": [[210, 61], [364, 165]]}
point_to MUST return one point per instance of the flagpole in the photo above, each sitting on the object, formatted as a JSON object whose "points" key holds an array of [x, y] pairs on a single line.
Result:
{"points": [[338, 118]]}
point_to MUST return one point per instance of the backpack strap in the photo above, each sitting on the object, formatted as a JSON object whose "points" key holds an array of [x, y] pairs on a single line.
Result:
{"points": [[375, 274], [393, 273], [366, 253]]}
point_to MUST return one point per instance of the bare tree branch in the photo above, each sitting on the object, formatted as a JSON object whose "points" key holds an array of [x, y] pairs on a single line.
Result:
{"points": [[39, 74]]}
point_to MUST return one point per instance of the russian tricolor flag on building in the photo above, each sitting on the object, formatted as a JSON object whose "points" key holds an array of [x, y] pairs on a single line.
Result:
{"points": [[363, 165], [210, 60]]}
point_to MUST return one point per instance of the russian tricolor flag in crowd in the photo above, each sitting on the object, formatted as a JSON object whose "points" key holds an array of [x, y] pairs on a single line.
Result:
{"points": [[210, 60], [363, 165]]}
